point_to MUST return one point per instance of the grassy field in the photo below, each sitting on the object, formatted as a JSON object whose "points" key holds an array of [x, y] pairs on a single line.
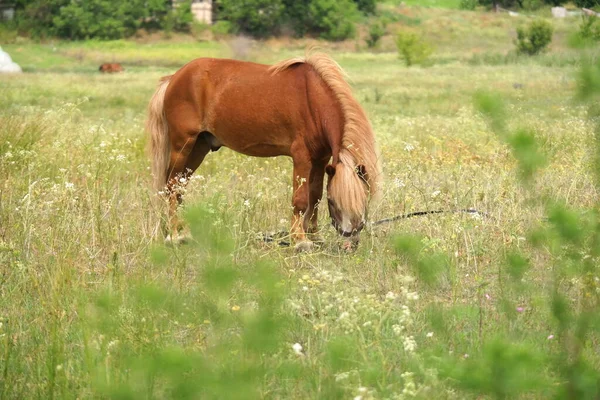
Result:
{"points": [[445, 306]]}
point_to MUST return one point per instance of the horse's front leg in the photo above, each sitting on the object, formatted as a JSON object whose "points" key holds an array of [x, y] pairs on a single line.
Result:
{"points": [[315, 193], [300, 201]]}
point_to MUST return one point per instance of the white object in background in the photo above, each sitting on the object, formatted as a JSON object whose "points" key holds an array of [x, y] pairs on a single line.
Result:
{"points": [[7, 64], [559, 12]]}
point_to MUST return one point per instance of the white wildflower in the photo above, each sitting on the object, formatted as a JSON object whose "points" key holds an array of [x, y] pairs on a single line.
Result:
{"points": [[397, 329], [409, 147], [246, 203], [435, 194], [409, 344], [297, 347], [398, 183], [342, 376]]}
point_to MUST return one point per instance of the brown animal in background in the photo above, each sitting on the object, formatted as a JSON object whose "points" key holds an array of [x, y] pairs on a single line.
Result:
{"points": [[110, 68], [302, 108]]}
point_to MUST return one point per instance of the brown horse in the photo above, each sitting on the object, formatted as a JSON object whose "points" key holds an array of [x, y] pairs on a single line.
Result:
{"points": [[110, 68], [302, 108]]}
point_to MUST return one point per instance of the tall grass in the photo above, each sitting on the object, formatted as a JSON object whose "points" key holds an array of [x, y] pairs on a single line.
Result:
{"points": [[452, 306]]}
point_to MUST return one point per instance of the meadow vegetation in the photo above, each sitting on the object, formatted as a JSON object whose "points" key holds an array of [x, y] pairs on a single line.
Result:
{"points": [[502, 305]]}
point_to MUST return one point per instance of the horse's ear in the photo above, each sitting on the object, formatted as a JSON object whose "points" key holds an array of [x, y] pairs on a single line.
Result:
{"points": [[362, 173], [330, 170]]}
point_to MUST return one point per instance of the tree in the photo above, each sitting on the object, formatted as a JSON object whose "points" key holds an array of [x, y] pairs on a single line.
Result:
{"points": [[260, 18], [587, 3]]}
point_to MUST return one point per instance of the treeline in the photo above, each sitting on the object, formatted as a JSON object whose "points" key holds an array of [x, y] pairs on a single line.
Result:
{"points": [[113, 19], [102, 19], [531, 4]]}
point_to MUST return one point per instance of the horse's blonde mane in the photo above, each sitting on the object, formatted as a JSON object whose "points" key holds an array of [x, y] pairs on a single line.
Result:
{"points": [[358, 140]]}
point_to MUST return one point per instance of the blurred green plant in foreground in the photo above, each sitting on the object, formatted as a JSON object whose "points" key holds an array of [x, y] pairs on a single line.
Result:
{"points": [[509, 364]]}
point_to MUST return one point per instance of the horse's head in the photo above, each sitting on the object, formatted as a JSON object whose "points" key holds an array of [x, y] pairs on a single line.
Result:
{"points": [[347, 197]]}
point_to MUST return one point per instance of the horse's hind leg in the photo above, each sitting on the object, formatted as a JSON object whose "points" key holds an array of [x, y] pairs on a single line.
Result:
{"points": [[186, 157]]}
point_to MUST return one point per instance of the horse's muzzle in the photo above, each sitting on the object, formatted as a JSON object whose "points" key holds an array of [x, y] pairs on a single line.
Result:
{"points": [[346, 233]]}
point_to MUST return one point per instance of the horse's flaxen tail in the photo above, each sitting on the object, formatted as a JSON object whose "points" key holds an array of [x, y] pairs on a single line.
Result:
{"points": [[156, 125]]}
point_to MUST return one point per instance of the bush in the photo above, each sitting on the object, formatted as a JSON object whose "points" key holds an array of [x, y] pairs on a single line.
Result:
{"points": [[333, 20], [589, 28], [534, 38], [304, 17], [222, 28], [412, 49], [258, 18], [366, 6], [468, 4], [532, 5], [376, 30], [101, 19], [587, 3]]}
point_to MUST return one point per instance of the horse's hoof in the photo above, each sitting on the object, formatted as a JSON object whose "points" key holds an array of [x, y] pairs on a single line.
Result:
{"points": [[304, 246]]}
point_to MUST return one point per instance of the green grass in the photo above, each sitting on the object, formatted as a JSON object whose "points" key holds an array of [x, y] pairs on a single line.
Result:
{"points": [[92, 305]]}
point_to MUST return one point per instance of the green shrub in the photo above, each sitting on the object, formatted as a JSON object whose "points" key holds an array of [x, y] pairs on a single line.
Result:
{"points": [[101, 19], [532, 5], [589, 29], [376, 30], [222, 28], [258, 18], [366, 6], [534, 38], [412, 49], [587, 3], [468, 4], [333, 19]]}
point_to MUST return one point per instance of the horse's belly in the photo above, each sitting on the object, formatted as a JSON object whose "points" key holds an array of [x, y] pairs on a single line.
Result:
{"points": [[258, 140]]}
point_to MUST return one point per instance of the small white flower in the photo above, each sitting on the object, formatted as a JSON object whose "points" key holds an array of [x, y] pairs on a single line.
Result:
{"points": [[409, 344], [8, 154], [342, 376], [429, 334], [69, 185], [246, 203], [343, 315], [435, 194], [409, 147], [297, 347], [398, 183], [390, 296]]}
